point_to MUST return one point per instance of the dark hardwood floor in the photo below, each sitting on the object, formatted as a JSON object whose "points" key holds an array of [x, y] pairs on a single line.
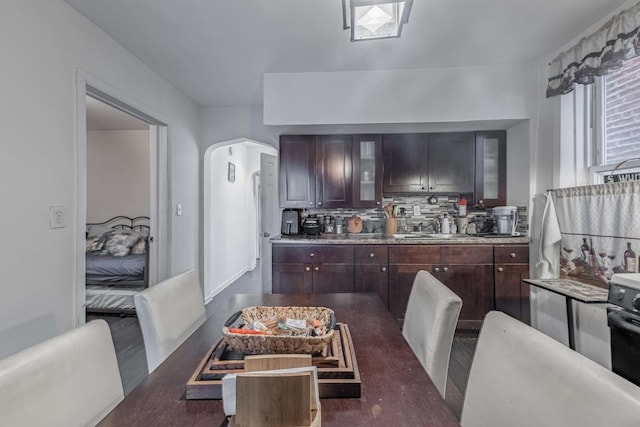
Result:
{"points": [[129, 345]]}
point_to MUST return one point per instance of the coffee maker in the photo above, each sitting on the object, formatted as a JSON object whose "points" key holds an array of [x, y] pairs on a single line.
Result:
{"points": [[506, 218], [290, 221]]}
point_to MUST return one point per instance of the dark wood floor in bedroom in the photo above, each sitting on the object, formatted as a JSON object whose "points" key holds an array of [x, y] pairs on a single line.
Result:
{"points": [[129, 345]]}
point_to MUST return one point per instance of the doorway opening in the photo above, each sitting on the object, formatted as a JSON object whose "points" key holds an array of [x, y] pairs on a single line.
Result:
{"points": [[121, 172], [234, 212]]}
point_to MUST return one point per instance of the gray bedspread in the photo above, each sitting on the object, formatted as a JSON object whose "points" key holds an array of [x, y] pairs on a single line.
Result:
{"points": [[106, 268]]}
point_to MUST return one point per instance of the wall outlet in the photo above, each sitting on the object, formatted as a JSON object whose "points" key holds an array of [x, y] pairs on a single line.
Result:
{"points": [[416, 210], [179, 209], [57, 217]]}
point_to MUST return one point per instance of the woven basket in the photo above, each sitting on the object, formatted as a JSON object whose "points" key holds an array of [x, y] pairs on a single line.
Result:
{"points": [[283, 344]]}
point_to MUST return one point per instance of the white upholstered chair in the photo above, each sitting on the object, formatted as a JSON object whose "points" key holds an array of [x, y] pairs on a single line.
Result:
{"points": [[169, 313], [430, 323], [522, 377], [70, 380]]}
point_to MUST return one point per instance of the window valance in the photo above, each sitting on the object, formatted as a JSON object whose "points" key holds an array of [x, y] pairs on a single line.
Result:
{"points": [[597, 54]]}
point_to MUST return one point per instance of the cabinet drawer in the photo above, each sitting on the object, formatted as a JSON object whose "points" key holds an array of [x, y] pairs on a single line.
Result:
{"points": [[414, 254], [466, 254], [342, 254], [513, 254], [371, 254]]}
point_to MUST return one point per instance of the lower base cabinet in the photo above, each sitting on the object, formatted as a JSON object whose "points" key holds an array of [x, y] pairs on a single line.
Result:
{"points": [[466, 270], [313, 269], [485, 277], [511, 293], [371, 271]]}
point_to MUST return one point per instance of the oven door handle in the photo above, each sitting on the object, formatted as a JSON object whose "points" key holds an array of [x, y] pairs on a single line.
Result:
{"points": [[620, 321]]}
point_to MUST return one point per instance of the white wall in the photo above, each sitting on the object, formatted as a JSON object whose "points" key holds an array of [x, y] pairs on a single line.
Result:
{"points": [[558, 151], [117, 174], [230, 216], [401, 96], [518, 164], [43, 44]]}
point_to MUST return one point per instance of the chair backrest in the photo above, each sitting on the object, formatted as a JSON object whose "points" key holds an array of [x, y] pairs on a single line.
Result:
{"points": [[66, 381], [168, 313], [430, 323], [520, 376]]}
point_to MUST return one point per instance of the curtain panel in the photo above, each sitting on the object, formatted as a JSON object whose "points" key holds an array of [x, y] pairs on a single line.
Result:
{"points": [[600, 229], [597, 54]]}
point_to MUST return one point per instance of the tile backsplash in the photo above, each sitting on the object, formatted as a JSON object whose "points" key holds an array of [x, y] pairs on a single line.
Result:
{"points": [[417, 210]]}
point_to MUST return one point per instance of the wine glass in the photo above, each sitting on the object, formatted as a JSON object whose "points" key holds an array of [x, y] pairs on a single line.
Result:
{"points": [[570, 264], [611, 257], [603, 254]]}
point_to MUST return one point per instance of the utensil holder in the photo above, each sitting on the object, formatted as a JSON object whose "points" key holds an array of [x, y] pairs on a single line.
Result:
{"points": [[392, 226]]}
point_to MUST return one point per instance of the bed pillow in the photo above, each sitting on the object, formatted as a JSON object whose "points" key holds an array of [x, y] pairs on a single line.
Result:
{"points": [[119, 243], [95, 243], [141, 245]]}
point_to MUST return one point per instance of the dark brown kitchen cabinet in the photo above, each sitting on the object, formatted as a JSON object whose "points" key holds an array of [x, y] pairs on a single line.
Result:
{"points": [[429, 163], [367, 171], [405, 168], [333, 171], [371, 271], [512, 295], [315, 171], [491, 168], [451, 160], [313, 269], [467, 270], [297, 176], [404, 263]]}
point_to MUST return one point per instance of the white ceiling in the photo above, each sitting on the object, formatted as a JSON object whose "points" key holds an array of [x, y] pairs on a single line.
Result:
{"points": [[216, 51]]}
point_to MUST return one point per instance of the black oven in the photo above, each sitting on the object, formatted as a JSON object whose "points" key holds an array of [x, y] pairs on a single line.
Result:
{"points": [[625, 343], [624, 325]]}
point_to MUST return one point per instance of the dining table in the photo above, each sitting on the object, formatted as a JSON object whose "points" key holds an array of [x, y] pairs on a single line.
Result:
{"points": [[395, 388]]}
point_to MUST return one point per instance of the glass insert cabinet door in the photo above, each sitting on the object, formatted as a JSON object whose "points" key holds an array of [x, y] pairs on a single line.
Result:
{"points": [[491, 170], [367, 176]]}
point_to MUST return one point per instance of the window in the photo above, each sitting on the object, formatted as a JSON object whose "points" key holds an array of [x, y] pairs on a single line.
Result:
{"points": [[617, 121]]}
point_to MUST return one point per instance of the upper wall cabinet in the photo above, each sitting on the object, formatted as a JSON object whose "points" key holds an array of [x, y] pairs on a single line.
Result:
{"points": [[297, 177], [315, 171], [367, 171], [333, 171], [491, 168], [429, 163]]}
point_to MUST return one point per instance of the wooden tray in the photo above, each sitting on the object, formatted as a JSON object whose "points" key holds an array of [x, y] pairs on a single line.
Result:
{"points": [[338, 374]]}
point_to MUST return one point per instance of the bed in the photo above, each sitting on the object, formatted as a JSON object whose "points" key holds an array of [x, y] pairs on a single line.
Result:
{"points": [[117, 257]]}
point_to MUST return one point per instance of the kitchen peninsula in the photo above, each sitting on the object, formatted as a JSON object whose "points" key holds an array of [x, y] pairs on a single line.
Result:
{"points": [[485, 272]]}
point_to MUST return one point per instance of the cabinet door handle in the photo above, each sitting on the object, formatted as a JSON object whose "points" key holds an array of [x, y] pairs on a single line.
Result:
{"points": [[436, 269], [307, 269], [316, 269], [312, 254], [445, 269], [383, 269], [500, 269], [378, 203], [432, 187], [310, 203], [512, 254], [319, 203], [372, 255]]}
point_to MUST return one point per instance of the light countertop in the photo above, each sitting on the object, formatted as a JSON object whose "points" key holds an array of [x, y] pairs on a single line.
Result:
{"points": [[398, 239]]}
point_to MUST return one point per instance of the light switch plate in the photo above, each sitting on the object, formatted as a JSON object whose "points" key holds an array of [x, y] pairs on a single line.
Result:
{"points": [[57, 217]]}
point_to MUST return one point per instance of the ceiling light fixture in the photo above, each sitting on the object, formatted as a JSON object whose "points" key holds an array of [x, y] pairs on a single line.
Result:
{"points": [[375, 19]]}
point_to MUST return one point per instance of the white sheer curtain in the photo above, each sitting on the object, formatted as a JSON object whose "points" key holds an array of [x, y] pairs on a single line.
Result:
{"points": [[599, 225]]}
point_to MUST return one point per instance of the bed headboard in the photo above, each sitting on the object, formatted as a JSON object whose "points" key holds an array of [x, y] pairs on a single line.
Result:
{"points": [[120, 222]]}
